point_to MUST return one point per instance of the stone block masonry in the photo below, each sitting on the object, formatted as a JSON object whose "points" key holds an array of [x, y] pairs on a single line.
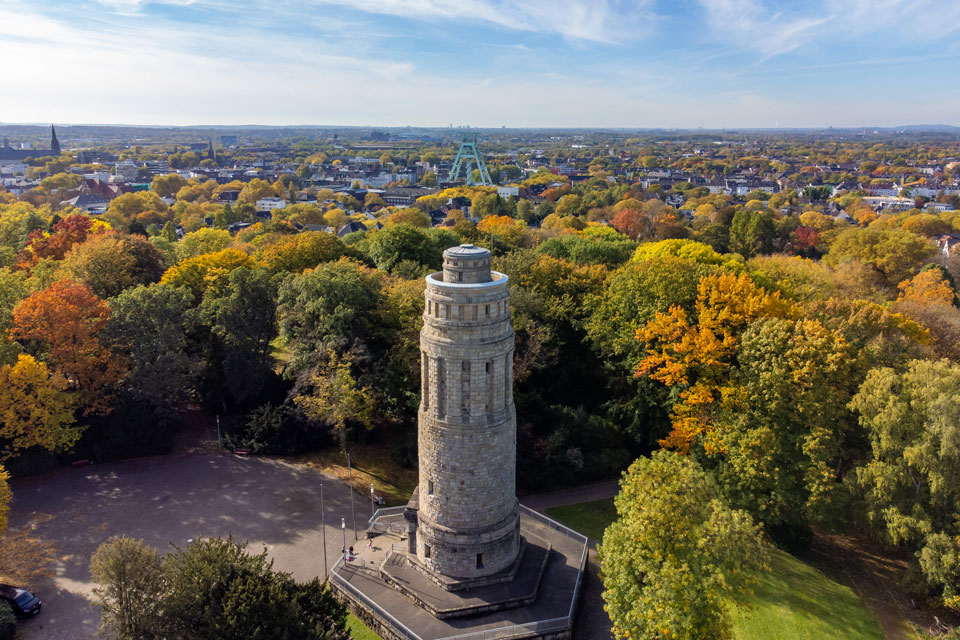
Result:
{"points": [[467, 518]]}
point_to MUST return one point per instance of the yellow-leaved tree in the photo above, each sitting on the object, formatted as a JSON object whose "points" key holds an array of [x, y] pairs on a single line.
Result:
{"points": [[693, 354], [207, 271], [504, 228], [5, 497], [35, 408]]}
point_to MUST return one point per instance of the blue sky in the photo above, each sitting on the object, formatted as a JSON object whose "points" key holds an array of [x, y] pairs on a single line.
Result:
{"points": [[522, 63]]}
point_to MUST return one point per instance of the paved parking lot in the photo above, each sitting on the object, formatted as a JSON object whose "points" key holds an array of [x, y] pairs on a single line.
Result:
{"points": [[172, 500]]}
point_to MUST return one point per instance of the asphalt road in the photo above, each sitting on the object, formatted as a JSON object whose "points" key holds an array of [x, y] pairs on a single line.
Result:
{"points": [[171, 501]]}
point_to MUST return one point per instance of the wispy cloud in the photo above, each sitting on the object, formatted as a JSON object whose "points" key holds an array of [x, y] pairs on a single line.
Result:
{"points": [[133, 7], [606, 21], [751, 24], [775, 27], [910, 19], [519, 63]]}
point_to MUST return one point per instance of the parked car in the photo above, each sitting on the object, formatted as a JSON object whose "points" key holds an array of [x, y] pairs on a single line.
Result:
{"points": [[24, 603]]}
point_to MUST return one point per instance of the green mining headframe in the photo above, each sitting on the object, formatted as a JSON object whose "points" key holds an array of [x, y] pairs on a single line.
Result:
{"points": [[469, 152]]}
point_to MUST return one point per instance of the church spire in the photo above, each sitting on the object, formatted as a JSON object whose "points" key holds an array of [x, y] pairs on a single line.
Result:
{"points": [[54, 143]]}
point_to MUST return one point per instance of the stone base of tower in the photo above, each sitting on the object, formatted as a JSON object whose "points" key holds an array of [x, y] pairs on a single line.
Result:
{"points": [[384, 587], [458, 560], [506, 574], [515, 586]]}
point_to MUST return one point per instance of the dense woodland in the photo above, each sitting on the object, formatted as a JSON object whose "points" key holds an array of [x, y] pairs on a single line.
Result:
{"points": [[801, 367]]}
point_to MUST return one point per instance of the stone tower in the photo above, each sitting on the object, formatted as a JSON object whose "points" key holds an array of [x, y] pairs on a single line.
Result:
{"points": [[467, 527]]}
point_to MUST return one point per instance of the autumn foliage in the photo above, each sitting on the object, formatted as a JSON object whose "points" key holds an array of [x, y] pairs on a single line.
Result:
{"points": [[62, 323], [927, 287], [631, 223], [694, 353], [35, 408], [207, 271], [66, 234], [504, 227]]}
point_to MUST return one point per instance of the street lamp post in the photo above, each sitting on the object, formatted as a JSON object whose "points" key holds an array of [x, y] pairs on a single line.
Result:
{"points": [[373, 499], [353, 509], [343, 529], [323, 529]]}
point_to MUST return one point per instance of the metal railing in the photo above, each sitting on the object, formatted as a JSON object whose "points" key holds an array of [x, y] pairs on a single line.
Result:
{"points": [[500, 633], [553, 524], [503, 633], [385, 511], [398, 626]]}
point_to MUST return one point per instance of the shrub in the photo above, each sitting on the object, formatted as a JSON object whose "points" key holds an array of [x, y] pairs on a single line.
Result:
{"points": [[8, 621]]}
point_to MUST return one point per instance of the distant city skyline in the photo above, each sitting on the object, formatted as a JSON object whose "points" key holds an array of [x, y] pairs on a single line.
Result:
{"points": [[483, 63]]}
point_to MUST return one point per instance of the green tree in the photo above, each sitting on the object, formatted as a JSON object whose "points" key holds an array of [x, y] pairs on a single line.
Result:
{"points": [[785, 428], [525, 211], [328, 308], [569, 205], [396, 243], [147, 329], [129, 590], [242, 321], [168, 185], [893, 253], [336, 398], [590, 248], [14, 287], [752, 232], [911, 483], [169, 232], [215, 589], [677, 556]]}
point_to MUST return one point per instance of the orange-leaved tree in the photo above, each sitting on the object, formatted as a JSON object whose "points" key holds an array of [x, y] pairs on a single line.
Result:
{"points": [[694, 354], [928, 286], [61, 325]]}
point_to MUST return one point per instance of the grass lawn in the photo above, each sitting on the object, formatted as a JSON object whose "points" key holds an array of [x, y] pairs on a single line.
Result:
{"points": [[793, 601], [371, 464], [589, 518], [358, 630]]}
